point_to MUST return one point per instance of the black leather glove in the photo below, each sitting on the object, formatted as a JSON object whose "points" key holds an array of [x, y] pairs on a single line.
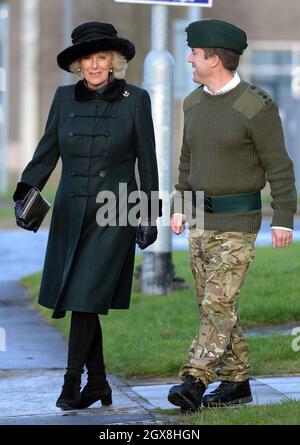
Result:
{"points": [[31, 225], [146, 235]]}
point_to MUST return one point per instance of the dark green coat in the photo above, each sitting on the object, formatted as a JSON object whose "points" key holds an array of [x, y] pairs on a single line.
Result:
{"points": [[89, 268]]}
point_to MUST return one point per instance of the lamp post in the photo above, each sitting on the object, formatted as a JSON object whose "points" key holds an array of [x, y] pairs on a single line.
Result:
{"points": [[4, 113], [29, 106], [157, 270]]}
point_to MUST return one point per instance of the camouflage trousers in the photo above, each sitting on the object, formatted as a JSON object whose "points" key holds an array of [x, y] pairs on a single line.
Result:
{"points": [[219, 261]]}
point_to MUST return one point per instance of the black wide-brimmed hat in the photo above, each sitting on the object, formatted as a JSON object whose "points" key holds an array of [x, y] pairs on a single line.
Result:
{"points": [[91, 37]]}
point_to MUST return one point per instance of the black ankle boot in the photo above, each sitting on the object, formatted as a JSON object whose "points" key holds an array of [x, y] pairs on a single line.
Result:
{"points": [[92, 392], [70, 395], [188, 395], [229, 393]]}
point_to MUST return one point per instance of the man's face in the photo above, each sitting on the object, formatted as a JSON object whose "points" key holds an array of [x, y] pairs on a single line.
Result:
{"points": [[202, 67]]}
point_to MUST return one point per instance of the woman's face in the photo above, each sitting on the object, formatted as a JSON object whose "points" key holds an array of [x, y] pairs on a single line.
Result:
{"points": [[95, 68]]}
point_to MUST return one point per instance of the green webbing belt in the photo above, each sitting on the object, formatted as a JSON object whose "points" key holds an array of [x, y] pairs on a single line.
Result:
{"points": [[232, 203]]}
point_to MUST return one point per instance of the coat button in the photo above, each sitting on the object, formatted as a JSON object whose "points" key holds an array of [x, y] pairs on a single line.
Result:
{"points": [[106, 134], [102, 173], [113, 115], [71, 195], [72, 115], [71, 134], [72, 173], [105, 155]]}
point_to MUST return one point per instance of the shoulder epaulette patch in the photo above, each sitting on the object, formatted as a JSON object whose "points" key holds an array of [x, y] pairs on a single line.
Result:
{"points": [[192, 98], [251, 101]]}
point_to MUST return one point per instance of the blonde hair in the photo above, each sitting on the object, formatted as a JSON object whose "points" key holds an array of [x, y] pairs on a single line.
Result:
{"points": [[119, 66]]}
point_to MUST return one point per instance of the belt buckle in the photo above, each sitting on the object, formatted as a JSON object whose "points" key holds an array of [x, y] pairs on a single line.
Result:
{"points": [[208, 204]]}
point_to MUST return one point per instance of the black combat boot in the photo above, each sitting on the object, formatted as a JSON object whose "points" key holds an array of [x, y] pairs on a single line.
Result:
{"points": [[82, 330], [229, 393], [188, 395], [97, 387]]}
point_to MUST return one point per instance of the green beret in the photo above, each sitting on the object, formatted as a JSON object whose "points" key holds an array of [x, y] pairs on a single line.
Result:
{"points": [[216, 34]]}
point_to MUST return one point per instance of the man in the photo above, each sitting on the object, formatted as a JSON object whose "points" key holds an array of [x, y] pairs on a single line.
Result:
{"points": [[232, 143]]}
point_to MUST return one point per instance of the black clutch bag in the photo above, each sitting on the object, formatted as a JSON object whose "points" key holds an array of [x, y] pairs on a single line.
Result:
{"points": [[34, 205]]}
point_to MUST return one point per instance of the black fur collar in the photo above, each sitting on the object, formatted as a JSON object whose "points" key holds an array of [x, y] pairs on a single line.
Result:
{"points": [[114, 91]]}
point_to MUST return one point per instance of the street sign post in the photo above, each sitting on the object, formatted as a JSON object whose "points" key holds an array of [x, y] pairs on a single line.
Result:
{"points": [[200, 3]]}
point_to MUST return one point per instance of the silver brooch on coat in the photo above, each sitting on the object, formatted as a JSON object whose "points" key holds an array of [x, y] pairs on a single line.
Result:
{"points": [[125, 94]]}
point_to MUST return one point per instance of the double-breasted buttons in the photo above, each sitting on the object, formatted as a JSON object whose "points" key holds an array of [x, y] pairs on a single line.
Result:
{"points": [[102, 173]]}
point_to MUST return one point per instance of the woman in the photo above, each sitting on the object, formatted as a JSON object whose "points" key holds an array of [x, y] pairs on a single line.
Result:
{"points": [[98, 127]]}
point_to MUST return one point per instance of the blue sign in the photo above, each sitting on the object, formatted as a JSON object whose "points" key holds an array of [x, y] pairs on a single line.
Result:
{"points": [[203, 3]]}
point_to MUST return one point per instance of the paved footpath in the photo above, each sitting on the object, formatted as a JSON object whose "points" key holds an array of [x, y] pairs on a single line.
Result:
{"points": [[32, 366]]}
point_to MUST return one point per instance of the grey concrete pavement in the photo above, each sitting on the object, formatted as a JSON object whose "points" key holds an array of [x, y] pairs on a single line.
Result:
{"points": [[30, 342], [21, 253], [28, 398], [264, 391], [32, 368]]}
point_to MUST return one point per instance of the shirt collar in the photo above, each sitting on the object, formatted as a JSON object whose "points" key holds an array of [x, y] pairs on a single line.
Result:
{"points": [[229, 86]]}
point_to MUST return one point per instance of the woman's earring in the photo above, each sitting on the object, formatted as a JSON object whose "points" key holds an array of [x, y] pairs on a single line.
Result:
{"points": [[111, 69], [79, 69]]}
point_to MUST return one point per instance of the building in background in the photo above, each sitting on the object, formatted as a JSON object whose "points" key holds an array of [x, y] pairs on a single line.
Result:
{"points": [[271, 61]]}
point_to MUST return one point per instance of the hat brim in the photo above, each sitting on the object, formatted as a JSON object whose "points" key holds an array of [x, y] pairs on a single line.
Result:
{"points": [[74, 52]]}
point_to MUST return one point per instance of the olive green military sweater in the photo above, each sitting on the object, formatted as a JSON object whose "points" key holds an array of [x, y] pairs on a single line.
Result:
{"points": [[232, 144]]}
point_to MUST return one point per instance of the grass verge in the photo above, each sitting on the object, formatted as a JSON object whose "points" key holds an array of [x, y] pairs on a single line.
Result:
{"points": [[284, 413]]}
